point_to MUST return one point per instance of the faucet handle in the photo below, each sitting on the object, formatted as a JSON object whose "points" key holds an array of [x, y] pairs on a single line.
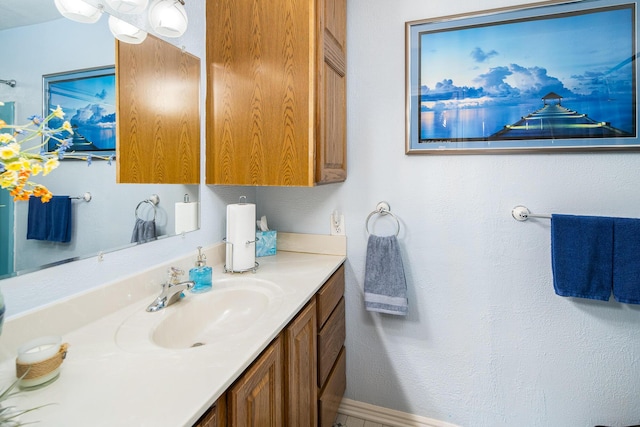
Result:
{"points": [[174, 273]]}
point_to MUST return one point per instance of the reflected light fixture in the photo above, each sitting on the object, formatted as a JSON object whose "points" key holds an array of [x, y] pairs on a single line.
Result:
{"points": [[78, 11], [126, 32], [168, 17], [128, 6]]}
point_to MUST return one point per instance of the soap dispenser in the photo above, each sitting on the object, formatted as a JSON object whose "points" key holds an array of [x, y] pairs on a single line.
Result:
{"points": [[201, 274]]}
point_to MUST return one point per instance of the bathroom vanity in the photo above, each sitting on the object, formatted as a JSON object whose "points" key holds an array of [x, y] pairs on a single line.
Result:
{"points": [[271, 352]]}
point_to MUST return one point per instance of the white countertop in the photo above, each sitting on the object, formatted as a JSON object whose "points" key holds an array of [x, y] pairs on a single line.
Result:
{"points": [[105, 383]]}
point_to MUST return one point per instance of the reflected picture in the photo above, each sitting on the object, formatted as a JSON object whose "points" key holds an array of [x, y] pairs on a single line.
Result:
{"points": [[87, 98]]}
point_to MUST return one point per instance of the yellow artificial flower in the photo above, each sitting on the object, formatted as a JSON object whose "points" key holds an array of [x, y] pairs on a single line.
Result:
{"points": [[36, 168], [6, 138], [9, 151], [50, 165], [8, 179], [67, 126], [58, 112], [20, 164]]}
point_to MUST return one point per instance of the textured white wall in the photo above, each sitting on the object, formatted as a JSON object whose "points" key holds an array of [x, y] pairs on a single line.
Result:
{"points": [[487, 342]]}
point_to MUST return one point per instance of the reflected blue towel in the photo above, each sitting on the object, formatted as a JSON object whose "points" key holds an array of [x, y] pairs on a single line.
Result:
{"points": [[49, 221], [37, 227], [143, 231], [582, 256], [385, 287], [59, 208], [626, 260]]}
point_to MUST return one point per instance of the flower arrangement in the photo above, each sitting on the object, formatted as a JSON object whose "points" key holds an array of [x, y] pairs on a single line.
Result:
{"points": [[19, 162]]}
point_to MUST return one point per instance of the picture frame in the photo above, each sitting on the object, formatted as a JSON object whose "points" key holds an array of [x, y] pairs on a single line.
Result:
{"points": [[88, 99], [542, 78]]}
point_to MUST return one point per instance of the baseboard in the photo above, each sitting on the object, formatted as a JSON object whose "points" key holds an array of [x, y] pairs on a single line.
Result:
{"points": [[389, 417]]}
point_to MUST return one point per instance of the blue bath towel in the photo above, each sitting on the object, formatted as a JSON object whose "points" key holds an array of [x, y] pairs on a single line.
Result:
{"points": [[50, 221], [626, 260], [582, 256], [385, 287], [143, 231], [59, 208], [37, 220]]}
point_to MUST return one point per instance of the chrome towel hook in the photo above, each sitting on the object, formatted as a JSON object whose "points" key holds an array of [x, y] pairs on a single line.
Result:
{"points": [[382, 208]]}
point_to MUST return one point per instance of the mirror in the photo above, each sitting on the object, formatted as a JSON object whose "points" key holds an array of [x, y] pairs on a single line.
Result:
{"points": [[44, 43]]}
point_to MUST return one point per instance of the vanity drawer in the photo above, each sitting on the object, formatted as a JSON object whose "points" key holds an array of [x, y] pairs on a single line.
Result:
{"points": [[331, 395], [329, 295], [330, 341]]}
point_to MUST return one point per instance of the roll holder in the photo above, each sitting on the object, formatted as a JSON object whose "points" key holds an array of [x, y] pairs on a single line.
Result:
{"points": [[251, 269]]}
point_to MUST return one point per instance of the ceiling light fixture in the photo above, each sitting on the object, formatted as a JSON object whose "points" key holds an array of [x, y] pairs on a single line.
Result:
{"points": [[168, 17], [128, 6], [126, 32], [78, 11]]}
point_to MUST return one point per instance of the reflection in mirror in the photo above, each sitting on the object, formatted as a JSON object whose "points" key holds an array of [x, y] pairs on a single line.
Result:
{"points": [[106, 222]]}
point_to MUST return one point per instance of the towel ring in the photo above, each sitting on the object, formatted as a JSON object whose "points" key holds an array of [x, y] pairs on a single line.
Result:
{"points": [[382, 208], [151, 203]]}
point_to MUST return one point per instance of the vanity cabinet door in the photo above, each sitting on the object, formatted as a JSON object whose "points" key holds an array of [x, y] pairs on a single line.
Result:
{"points": [[216, 416], [255, 400], [276, 92], [300, 373]]}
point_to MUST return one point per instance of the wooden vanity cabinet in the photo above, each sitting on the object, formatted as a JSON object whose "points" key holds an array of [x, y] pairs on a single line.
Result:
{"points": [[301, 392], [255, 400], [331, 378], [276, 92], [300, 378]]}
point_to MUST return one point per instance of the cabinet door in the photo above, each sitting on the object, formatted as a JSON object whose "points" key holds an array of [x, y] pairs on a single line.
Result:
{"points": [[261, 80], [158, 109], [331, 142], [300, 372], [256, 398]]}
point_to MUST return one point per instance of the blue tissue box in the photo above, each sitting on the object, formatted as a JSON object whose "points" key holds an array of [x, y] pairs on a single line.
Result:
{"points": [[266, 242]]}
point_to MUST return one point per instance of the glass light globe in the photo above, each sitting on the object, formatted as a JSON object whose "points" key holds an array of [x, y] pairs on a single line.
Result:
{"points": [[78, 11], [168, 18], [126, 32], [128, 6]]}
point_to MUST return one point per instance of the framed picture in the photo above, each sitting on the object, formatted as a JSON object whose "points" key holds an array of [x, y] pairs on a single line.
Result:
{"points": [[88, 99], [558, 77]]}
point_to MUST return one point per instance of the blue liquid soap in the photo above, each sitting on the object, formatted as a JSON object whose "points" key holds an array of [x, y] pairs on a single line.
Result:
{"points": [[201, 274]]}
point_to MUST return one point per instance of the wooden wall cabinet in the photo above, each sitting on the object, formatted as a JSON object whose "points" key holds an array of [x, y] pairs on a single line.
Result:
{"points": [[276, 92], [158, 114]]}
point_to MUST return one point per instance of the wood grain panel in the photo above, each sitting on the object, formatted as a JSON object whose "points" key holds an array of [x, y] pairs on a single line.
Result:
{"points": [[331, 395], [329, 295], [331, 143], [158, 122], [301, 369], [256, 398], [259, 124], [330, 340]]}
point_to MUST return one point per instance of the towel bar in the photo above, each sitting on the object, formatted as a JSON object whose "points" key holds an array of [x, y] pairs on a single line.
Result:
{"points": [[382, 208], [522, 213]]}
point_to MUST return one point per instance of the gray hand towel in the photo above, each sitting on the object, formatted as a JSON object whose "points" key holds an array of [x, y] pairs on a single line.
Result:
{"points": [[385, 287], [143, 231]]}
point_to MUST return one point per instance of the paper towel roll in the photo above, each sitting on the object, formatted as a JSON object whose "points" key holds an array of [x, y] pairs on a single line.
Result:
{"points": [[186, 217], [241, 228]]}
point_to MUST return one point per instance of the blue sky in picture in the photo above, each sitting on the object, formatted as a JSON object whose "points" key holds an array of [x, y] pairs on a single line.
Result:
{"points": [[584, 57]]}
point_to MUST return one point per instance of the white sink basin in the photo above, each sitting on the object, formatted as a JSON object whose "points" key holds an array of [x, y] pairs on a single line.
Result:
{"points": [[233, 308]]}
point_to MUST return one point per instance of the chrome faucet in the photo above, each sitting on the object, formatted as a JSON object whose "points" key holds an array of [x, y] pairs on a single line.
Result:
{"points": [[171, 290]]}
